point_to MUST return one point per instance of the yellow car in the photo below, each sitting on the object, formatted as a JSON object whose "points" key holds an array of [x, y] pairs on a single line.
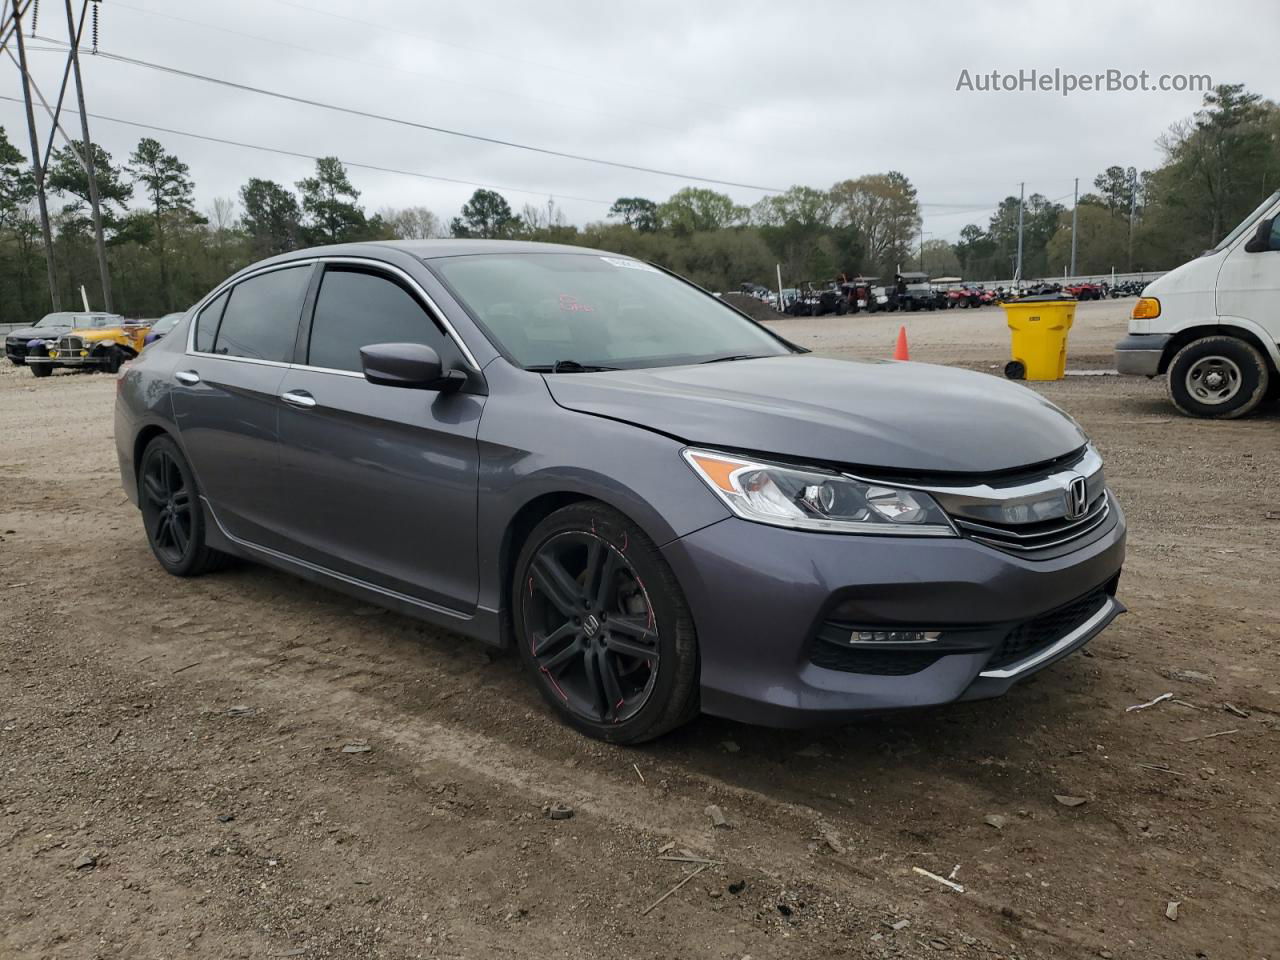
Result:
{"points": [[103, 341]]}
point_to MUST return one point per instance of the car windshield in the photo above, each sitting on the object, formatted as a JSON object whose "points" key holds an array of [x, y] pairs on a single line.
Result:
{"points": [[96, 322], [166, 323], [598, 311], [1244, 224], [56, 320]]}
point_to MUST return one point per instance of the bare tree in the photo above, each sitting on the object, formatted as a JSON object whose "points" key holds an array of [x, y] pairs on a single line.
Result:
{"points": [[412, 223]]}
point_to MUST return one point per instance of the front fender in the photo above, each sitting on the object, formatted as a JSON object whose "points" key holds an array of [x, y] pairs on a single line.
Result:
{"points": [[530, 447], [1263, 336]]}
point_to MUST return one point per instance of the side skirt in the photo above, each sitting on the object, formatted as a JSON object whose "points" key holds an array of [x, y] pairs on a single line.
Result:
{"points": [[483, 624]]}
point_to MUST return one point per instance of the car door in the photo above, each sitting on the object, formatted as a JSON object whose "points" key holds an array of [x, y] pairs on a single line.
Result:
{"points": [[226, 398], [382, 481], [1249, 282]]}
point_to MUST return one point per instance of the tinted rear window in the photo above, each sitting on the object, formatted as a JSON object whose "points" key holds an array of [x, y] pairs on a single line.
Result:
{"points": [[261, 318], [207, 323]]}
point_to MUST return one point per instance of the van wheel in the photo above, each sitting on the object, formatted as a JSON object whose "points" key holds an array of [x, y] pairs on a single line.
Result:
{"points": [[603, 627], [1218, 377]]}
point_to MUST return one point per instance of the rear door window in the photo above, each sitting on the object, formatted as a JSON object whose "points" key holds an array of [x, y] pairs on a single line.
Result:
{"points": [[356, 308], [260, 321], [207, 323]]}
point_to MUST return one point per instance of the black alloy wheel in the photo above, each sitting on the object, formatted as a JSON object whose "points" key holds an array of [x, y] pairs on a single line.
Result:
{"points": [[171, 512], [603, 626], [167, 507]]}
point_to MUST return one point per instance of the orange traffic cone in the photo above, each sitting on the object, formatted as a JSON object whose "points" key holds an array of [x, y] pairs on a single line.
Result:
{"points": [[900, 351]]}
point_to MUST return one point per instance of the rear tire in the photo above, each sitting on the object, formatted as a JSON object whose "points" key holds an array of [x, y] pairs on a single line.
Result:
{"points": [[1219, 378], [603, 627], [172, 514]]}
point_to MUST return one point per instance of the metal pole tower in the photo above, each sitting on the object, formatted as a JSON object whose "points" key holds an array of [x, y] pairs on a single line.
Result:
{"points": [[1075, 204], [73, 37], [36, 166], [1133, 208], [1022, 192]]}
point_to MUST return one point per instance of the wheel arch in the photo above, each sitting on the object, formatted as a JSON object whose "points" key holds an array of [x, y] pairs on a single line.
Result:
{"points": [[143, 440], [517, 531], [1190, 334]]}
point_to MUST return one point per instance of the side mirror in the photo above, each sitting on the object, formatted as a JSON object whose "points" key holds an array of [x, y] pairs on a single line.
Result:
{"points": [[1265, 238], [412, 365]]}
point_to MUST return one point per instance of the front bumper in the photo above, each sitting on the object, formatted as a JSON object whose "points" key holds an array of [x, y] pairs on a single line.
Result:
{"points": [[1141, 353], [761, 595], [60, 361]]}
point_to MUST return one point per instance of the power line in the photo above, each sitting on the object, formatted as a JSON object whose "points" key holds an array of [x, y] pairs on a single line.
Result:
{"points": [[505, 56], [385, 67], [400, 121], [307, 156]]}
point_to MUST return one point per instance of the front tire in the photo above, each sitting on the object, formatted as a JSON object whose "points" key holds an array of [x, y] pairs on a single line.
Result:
{"points": [[1219, 378], [41, 369], [171, 512], [603, 627]]}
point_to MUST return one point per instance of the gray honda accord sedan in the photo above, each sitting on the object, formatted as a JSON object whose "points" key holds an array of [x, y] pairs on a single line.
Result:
{"points": [[666, 507]]}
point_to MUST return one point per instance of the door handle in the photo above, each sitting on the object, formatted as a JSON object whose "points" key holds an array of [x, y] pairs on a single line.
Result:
{"points": [[298, 398], [188, 377]]}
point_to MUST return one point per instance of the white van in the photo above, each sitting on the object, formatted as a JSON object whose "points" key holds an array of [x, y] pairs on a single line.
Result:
{"points": [[1213, 324]]}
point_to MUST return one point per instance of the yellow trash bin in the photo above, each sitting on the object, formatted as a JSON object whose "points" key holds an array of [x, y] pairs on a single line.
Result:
{"points": [[1038, 330]]}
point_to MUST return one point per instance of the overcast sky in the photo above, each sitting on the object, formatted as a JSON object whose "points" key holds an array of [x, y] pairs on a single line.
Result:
{"points": [[761, 93]]}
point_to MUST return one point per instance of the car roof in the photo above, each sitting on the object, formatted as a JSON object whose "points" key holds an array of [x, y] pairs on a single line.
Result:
{"points": [[435, 249]]}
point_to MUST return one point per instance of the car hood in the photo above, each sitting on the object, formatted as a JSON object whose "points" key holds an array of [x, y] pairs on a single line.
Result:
{"points": [[33, 333], [907, 417]]}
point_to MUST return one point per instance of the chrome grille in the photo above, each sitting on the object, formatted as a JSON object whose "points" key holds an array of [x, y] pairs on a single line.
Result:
{"points": [[1037, 536], [70, 346], [1034, 511]]}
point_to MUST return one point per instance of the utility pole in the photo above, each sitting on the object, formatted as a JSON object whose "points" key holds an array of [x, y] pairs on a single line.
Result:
{"points": [[1075, 205], [1133, 208], [1022, 192], [36, 166], [73, 35]]}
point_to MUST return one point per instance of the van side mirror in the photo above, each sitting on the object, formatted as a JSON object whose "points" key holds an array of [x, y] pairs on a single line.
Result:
{"points": [[412, 365], [1267, 237]]}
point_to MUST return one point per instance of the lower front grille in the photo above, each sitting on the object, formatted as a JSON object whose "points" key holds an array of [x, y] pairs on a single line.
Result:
{"points": [[832, 648], [882, 663], [1032, 636]]}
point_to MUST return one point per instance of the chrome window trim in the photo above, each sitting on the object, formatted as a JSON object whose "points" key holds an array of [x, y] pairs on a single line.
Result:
{"points": [[336, 372], [217, 292], [449, 329]]}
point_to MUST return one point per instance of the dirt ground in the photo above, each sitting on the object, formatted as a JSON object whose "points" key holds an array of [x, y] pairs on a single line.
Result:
{"points": [[174, 782]]}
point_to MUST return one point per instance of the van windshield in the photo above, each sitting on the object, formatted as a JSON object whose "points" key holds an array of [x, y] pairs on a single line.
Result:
{"points": [[1245, 224]]}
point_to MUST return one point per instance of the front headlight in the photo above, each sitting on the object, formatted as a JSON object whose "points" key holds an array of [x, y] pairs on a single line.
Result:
{"points": [[811, 498]]}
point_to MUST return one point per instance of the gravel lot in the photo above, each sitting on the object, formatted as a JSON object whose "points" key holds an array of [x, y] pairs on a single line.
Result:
{"points": [[175, 784]]}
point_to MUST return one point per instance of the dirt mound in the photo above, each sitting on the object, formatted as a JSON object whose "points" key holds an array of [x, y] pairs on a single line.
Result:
{"points": [[756, 309]]}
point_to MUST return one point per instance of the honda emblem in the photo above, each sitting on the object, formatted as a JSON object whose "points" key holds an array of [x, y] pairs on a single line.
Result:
{"points": [[1077, 498]]}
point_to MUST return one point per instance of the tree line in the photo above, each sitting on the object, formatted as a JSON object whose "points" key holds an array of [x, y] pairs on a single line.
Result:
{"points": [[164, 253]]}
